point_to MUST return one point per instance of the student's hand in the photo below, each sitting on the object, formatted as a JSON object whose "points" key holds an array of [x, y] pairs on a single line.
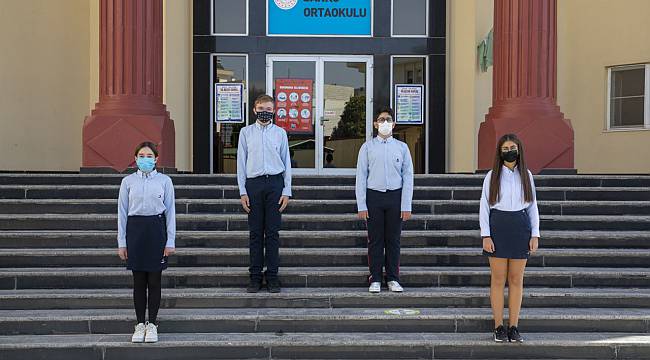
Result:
{"points": [[406, 215], [122, 253], [245, 203], [284, 201], [363, 215], [488, 245], [534, 244], [169, 251]]}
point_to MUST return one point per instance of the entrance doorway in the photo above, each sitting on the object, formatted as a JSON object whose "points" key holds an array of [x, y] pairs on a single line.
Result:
{"points": [[325, 104]]}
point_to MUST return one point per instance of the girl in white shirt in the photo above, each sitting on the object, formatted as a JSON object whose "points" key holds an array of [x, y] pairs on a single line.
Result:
{"points": [[510, 230]]}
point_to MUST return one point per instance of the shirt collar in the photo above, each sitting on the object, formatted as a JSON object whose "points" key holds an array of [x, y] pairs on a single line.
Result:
{"points": [[259, 126], [381, 140], [151, 174], [514, 170]]}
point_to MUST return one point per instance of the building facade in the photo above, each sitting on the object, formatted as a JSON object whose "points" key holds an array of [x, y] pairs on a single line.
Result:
{"points": [[349, 60]]}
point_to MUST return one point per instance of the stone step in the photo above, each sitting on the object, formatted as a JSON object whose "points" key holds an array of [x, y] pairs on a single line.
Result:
{"points": [[393, 345], [322, 192], [315, 277], [315, 320], [217, 206], [236, 298], [324, 222], [310, 239], [297, 257], [315, 180]]}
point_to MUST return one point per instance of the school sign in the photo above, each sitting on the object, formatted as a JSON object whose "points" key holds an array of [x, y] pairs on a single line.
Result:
{"points": [[319, 17]]}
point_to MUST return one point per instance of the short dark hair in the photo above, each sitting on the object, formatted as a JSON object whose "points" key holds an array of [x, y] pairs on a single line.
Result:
{"points": [[150, 145], [384, 109], [262, 99]]}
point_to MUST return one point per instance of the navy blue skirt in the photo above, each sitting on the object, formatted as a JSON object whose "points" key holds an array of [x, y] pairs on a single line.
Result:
{"points": [[510, 232], [146, 237]]}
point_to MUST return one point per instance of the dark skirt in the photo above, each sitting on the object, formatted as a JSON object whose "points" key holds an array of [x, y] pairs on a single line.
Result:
{"points": [[146, 237], [510, 232]]}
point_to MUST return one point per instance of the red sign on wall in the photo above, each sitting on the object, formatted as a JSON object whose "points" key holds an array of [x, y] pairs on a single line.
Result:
{"points": [[293, 105]]}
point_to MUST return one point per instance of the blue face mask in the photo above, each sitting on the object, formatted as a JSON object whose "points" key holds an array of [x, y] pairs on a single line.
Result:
{"points": [[146, 164]]}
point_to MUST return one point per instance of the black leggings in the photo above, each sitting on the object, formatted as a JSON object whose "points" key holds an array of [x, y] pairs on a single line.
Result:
{"points": [[143, 281]]}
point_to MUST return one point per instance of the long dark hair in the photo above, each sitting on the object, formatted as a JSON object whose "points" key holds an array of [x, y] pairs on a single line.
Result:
{"points": [[495, 180]]}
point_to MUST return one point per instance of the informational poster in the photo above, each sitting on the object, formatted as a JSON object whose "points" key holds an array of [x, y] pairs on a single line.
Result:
{"points": [[229, 102], [409, 104], [320, 18], [293, 105]]}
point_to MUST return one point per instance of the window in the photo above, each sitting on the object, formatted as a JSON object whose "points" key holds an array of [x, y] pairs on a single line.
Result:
{"points": [[410, 18], [230, 17], [411, 70], [629, 97], [228, 69]]}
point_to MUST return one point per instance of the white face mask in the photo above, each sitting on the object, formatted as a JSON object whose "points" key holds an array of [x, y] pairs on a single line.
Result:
{"points": [[386, 128]]}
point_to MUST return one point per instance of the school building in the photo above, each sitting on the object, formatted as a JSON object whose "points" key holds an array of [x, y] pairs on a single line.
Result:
{"points": [[84, 81]]}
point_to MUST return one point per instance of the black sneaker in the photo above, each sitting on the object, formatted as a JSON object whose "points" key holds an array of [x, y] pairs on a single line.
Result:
{"points": [[500, 334], [513, 335], [273, 285], [254, 286]]}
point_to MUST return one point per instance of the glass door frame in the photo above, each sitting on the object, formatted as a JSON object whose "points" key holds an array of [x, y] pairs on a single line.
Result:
{"points": [[319, 87]]}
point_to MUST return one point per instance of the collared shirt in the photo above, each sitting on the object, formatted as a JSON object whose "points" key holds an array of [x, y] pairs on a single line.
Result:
{"points": [[146, 195], [263, 150], [384, 164], [511, 198]]}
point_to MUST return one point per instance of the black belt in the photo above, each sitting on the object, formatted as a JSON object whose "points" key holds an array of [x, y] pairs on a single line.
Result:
{"points": [[265, 176]]}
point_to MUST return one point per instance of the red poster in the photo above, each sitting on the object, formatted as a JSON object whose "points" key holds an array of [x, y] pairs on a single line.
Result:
{"points": [[293, 105]]}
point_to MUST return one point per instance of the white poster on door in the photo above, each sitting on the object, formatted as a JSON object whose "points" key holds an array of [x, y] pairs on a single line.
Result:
{"points": [[409, 104]]}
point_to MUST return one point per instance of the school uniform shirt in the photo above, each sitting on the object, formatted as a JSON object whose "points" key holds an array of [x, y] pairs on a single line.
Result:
{"points": [[511, 198], [384, 164], [146, 195], [263, 150]]}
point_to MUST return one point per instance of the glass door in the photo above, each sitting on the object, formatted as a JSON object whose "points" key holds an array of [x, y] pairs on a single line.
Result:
{"points": [[323, 104], [347, 112]]}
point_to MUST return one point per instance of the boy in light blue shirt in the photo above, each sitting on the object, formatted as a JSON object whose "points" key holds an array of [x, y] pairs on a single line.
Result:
{"points": [[384, 192]]}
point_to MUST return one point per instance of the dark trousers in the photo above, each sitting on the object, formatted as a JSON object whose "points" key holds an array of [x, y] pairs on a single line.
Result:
{"points": [[264, 222], [384, 230]]}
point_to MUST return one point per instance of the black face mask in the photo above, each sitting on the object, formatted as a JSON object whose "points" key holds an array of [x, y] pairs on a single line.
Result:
{"points": [[510, 156], [265, 116]]}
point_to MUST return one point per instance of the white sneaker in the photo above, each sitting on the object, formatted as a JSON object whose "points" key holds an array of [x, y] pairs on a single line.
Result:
{"points": [[138, 334], [394, 286], [152, 333], [375, 287]]}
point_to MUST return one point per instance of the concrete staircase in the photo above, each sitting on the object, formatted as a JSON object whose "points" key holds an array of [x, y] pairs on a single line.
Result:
{"points": [[64, 294]]}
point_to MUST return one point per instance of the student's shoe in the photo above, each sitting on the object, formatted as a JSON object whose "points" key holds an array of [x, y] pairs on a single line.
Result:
{"points": [[138, 334], [152, 333], [500, 334], [513, 335], [375, 287], [273, 285], [254, 286], [394, 286]]}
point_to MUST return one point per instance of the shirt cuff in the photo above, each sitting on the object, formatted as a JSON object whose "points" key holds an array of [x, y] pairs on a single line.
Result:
{"points": [[286, 192], [121, 243], [406, 209], [535, 233], [170, 244], [485, 234]]}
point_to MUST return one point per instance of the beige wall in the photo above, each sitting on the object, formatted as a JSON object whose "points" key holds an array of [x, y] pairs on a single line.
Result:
{"points": [[44, 81], [470, 91], [595, 34], [178, 74]]}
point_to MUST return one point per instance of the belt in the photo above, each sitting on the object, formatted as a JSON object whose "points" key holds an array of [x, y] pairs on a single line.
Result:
{"points": [[265, 176]]}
